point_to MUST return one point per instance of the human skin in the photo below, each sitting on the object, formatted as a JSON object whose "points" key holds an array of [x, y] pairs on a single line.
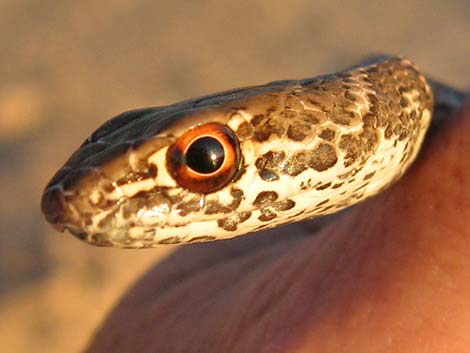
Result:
{"points": [[390, 275]]}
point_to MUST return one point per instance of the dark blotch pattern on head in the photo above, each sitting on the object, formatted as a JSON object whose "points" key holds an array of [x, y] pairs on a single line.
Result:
{"points": [[230, 224], [342, 117], [265, 198], [214, 206]]}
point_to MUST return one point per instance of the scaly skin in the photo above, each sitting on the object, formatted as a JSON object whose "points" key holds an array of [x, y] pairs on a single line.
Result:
{"points": [[309, 148]]}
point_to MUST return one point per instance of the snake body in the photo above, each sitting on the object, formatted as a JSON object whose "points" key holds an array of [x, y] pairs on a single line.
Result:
{"points": [[305, 148]]}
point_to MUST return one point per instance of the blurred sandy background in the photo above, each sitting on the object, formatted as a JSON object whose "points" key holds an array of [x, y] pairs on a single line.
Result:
{"points": [[66, 67]]}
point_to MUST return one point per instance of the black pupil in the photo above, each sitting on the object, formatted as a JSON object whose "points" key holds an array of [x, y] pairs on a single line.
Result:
{"points": [[205, 155]]}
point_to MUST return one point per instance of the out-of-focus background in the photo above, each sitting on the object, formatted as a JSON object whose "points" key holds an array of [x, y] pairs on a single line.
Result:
{"points": [[67, 66]]}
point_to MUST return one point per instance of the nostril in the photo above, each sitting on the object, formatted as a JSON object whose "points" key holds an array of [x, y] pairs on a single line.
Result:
{"points": [[53, 207]]}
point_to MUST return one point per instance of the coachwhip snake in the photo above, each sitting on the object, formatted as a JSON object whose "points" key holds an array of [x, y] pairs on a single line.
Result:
{"points": [[248, 159]]}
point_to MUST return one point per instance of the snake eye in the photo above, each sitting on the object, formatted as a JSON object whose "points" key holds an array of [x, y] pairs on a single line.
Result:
{"points": [[205, 158]]}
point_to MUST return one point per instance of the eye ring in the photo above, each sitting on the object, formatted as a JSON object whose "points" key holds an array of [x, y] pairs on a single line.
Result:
{"points": [[205, 158]]}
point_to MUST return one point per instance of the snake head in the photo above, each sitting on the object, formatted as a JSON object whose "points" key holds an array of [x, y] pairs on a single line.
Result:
{"points": [[156, 175], [244, 160]]}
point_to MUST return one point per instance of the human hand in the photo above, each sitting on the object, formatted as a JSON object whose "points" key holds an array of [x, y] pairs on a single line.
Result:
{"points": [[390, 275]]}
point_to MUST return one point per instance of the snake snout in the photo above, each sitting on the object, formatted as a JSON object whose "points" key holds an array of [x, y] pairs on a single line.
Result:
{"points": [[54, 207], [63, 205]]}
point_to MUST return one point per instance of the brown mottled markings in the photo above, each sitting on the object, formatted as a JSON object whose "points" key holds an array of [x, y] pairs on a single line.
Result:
{"points": [[135, 176], [322, 202], [214, 206], [257, 120], [297, 132], [271, 109], [405, 155], [369, 121], [368, 176], [404, 118], [231, 223], [237, 195], [390, 113], [284, 205], [403, 135], [270, 160], [293, 112], [388, 132], [313, 117], [297, 214], [327, 208], [228, 224], [349, 95], [264, 226], [323, 186], [266, 215], [291, 115], [245, 131], [327, 134], [152, 171], [295, 121], [404, 102], [358, 147], [265, 198], [107, 186], [360, 187], [296, 164], [244, 216], [397, 129], [274, 125], [322, 157], [344, 118], [319, 99], [301, 125], [305, 185], [293, 102], [359, 195], [149, 233], [268, 175], [184, 208]]}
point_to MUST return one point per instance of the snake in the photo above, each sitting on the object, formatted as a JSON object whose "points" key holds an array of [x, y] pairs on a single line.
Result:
{"points": [[244, 160]]}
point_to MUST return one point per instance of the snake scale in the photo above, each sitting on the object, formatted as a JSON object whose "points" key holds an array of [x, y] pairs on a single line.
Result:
{"points": [[241, 161]]}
